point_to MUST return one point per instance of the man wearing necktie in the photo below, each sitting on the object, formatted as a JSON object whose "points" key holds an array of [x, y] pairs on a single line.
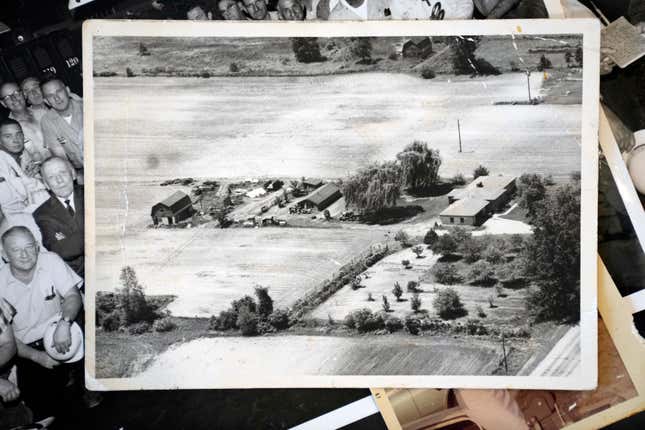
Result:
{"points": [[61, 217]]}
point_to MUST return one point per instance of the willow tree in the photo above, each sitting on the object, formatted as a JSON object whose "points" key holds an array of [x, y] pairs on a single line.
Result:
{"points": [[373, 188], [420, 165]]}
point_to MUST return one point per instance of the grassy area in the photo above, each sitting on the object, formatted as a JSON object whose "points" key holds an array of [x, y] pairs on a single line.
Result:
{"points": [[517, 214], [122, 354]]}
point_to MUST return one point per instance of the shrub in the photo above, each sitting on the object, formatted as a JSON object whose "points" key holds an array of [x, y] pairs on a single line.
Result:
{"points": [[471, 249], [356, 283], [500, 291], [397, 291], [111, 321], [480, 171], [430, 237], [244, 302], [481, 273], [544, 63], [393, 324], [427, 73], [265, 327], [458, 179], [349, 321], [406, 263], [403, 238], [493, 254], [279, 319], [369, 297], [418, 250], [365, 320], [514, 67], [129, 73], [233, 68], [306, 49], [480, 311], [475, 327], [446, 245], [163, 325], [139, 328], [448, 304], [413, 287], [491, 302], [265, 302], [446, 274], [205, 74], [415, 302], [386, 304], [247, 321], [412, 325], [227, 320], [393, 56]]}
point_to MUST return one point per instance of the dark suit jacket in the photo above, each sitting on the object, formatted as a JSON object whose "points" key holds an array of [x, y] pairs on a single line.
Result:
{"points": [[62, 233]]}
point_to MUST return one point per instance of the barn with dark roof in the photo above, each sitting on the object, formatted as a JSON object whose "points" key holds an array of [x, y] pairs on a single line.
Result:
{"points": [[321, 197], [174, 209]]}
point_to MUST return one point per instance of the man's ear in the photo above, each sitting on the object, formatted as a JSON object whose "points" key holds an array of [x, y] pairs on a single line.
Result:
{"points": [[4, 105], [69, 92], [210, 16], [5, 257]]}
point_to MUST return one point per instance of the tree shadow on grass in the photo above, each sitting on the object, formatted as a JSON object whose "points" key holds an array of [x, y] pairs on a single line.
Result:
{"points": [[392, 215]]}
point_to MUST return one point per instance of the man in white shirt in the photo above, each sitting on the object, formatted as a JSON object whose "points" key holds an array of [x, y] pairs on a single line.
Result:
{"points": [[62, 125], [39, 285]]}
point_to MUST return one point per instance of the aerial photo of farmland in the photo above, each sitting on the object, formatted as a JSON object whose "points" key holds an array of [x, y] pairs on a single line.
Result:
{"points": [[336, 206]]}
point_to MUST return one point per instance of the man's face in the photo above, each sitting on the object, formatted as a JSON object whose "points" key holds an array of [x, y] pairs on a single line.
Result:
{"points": [[257, 9], [12, 98], [230, 10], [291, 10], [56, 94], [58, 177], [11, 138], [197, 14], [21, 251], [31, 90]]}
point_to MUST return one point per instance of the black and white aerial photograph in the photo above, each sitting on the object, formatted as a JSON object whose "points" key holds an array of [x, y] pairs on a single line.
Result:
{"points": [[333, 208]]}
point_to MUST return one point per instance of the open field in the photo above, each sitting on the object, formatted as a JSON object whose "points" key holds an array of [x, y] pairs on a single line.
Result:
{"points": [[318, 355], [208, 268], [312, 131]]}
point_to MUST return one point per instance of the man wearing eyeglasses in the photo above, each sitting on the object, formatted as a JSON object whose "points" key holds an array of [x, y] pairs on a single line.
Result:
{"points": [[12, 98], [63, 124]]}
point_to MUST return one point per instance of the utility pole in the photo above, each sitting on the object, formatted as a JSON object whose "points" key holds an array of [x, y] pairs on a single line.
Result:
{"points": [[459, 132], [528, 83], [504, 352]]}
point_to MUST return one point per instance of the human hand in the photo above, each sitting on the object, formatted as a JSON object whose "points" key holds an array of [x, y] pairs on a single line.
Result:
{"points": [[62, 336], [8, 391], [32, 169], [45, 360]]}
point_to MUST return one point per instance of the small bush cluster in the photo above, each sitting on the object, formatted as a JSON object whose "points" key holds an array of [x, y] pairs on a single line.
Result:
{"points": [[139, 328], [164, 325], [251, 317], [475, 327], [448, 304], [427, 73], [393, 324], [364, 320], [446, 274]]}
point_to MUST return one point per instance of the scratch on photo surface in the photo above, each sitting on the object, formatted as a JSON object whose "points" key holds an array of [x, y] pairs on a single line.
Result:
{"points": [[572, 407], [124, 191], [519, 57]]}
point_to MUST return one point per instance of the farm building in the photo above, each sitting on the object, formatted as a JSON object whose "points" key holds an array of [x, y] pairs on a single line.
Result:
{"points": [[174, 209], [417, 47], [473, 204], [321, 197]]}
